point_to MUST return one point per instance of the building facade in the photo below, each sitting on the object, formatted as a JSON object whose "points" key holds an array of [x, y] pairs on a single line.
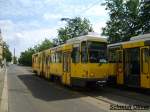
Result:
{"points": [[1, 47]]}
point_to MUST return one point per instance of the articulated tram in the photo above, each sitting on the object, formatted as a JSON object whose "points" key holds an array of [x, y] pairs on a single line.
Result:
{"points": [[131, 61], [79, 61]]}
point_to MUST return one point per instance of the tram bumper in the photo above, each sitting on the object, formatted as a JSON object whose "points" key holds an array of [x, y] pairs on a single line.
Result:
{"points": [[87, 81]]}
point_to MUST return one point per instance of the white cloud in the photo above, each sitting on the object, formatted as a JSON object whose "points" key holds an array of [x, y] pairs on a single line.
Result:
{"points": [[49, 16], [26, 39], [96, 10], [97, 27], [53, 1], [23, 39]]}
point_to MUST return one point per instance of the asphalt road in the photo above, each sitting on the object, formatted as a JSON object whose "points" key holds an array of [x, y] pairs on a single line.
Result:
{"points": [[29, 93]]}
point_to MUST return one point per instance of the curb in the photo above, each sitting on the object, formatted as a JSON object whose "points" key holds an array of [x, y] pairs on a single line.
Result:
{"points": [[4, 99]]}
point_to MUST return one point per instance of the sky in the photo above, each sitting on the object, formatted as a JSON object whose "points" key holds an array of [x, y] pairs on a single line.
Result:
{"points": [[25, 23]]}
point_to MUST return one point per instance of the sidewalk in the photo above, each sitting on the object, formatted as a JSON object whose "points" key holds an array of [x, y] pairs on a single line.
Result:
{"points": [[3, 90], [2, 76]]}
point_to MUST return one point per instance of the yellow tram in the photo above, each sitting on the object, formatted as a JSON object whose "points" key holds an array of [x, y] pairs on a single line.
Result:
{"points": [[79, 61], [131, 61]]}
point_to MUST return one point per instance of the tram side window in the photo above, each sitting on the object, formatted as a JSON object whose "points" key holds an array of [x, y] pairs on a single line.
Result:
{"points": [[53, 58], [146, 53], [47, 60], [58, 57], [75, 55], [112, 56], [119, 57], [50, 60], [84, 57]]}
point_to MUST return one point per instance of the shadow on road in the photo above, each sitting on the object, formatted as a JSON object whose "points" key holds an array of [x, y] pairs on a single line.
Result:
{"points": [[49, 91], [45, 90]]}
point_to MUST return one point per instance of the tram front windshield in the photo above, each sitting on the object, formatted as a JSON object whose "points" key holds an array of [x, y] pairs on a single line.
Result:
{"points": [[97, 52]]}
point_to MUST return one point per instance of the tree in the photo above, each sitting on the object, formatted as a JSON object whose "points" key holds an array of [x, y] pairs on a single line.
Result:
{"points": [[145, 16], [26, 56], [56, 42], [74, 28], [46, 44], [6, 53], [124, 20]]}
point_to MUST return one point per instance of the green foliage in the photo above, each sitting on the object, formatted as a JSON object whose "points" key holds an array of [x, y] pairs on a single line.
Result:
{"points": [[6, 53], [74, 28], [145, 16], [124, 20], [26, 56], [46, 44]]}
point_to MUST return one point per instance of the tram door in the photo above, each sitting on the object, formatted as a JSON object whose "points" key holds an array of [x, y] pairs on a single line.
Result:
{"points": [[132, 67], [41, 64], [47, 67], [66, 68], [145, 67], [120, 67]]}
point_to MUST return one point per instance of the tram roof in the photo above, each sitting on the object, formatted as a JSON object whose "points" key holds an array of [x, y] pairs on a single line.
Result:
{"points": [[85, 38], [136, 39], [139, 37]]}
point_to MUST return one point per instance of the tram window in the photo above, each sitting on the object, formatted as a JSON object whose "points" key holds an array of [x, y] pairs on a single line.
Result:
{"points": [[97, 52], [146, 53], [50, 59], [39, 60], [75, 55], [58, 57], [119, 58], [84, 56], [65, 63], [46, 60], [112, 56], [53, 58]]}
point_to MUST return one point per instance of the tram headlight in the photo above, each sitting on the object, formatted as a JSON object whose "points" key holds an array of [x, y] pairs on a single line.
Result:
{"points": [[92, 75]]}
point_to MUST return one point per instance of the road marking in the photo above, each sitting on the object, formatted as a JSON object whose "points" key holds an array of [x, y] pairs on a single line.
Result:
{"points": [[4, 99]]}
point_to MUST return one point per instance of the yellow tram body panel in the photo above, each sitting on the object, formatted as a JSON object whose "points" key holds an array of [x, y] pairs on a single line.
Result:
{"points": [[56, 69], [35, 62], [90, 70]]}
